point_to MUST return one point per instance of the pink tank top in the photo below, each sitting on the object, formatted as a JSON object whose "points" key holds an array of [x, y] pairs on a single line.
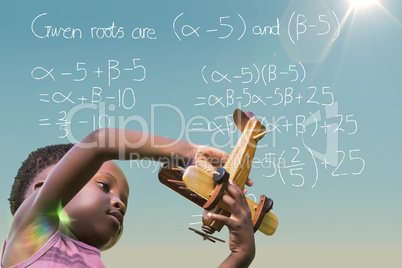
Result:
{"points": [[61, 251]]}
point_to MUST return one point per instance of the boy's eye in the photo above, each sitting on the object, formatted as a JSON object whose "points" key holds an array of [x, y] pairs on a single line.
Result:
{"points": [[105, 187]]}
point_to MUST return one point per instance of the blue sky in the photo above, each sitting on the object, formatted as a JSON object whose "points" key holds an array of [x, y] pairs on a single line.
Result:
{"points": [[323, 52]]}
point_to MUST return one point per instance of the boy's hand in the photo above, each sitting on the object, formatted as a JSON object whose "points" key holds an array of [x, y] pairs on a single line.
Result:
{"points": [[209, 159], [241, 233]]}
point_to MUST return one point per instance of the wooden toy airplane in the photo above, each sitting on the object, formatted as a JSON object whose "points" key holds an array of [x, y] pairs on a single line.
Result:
{"points": [[206, 190]]}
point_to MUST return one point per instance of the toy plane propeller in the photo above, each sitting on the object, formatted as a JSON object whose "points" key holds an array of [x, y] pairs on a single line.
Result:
{"points": [[206, 190]]}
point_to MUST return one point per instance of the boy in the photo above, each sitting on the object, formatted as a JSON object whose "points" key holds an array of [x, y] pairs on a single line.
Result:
{"points": [[93, 192]]}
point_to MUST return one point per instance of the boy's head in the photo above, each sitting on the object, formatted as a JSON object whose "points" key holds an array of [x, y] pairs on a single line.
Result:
{"points": [[96, 211], [36, 162]]}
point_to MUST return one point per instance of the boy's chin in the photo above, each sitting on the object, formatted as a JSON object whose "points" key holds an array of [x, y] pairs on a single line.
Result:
{"points": [[103, 240], [113, 241]]}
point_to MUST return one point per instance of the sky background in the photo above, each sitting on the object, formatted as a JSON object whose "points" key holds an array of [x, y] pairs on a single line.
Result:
{"points": [[337, 195]]}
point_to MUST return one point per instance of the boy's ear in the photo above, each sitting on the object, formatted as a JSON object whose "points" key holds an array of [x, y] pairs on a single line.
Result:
{"points": [[38, 185]]}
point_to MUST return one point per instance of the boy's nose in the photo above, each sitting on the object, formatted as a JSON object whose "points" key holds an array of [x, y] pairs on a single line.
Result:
{"points": [[119, 205]]}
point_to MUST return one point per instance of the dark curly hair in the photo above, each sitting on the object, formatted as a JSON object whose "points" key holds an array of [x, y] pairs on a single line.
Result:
{"points": [[37, 161]]}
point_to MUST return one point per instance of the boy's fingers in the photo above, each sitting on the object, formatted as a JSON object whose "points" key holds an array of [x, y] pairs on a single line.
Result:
{"points": [[207, 166], [232, 205], [220, 218], [249, 182], [237, 194], [210, 159], [219, 157]]}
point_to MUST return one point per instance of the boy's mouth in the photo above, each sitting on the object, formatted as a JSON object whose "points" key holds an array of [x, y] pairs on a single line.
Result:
{"points": [[117, 214]]}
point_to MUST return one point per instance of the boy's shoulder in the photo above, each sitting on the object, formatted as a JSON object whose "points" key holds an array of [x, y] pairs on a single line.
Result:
{"points": [[26, 235], [60, 251]]}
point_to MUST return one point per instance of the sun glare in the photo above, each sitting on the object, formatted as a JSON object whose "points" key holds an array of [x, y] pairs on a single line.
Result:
{"points": [[363, 3]]}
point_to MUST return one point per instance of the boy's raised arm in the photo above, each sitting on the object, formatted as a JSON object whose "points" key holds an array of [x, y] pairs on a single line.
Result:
{"points": [[82, 162]]}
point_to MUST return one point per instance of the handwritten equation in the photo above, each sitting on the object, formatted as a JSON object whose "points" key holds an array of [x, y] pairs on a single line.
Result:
{"points": [[293, 107], [80, 72], [236, 27], [89, 104], [318, 95], [253, 75], [230, 26], [323, 122], [97, 118], [290, 167]]}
